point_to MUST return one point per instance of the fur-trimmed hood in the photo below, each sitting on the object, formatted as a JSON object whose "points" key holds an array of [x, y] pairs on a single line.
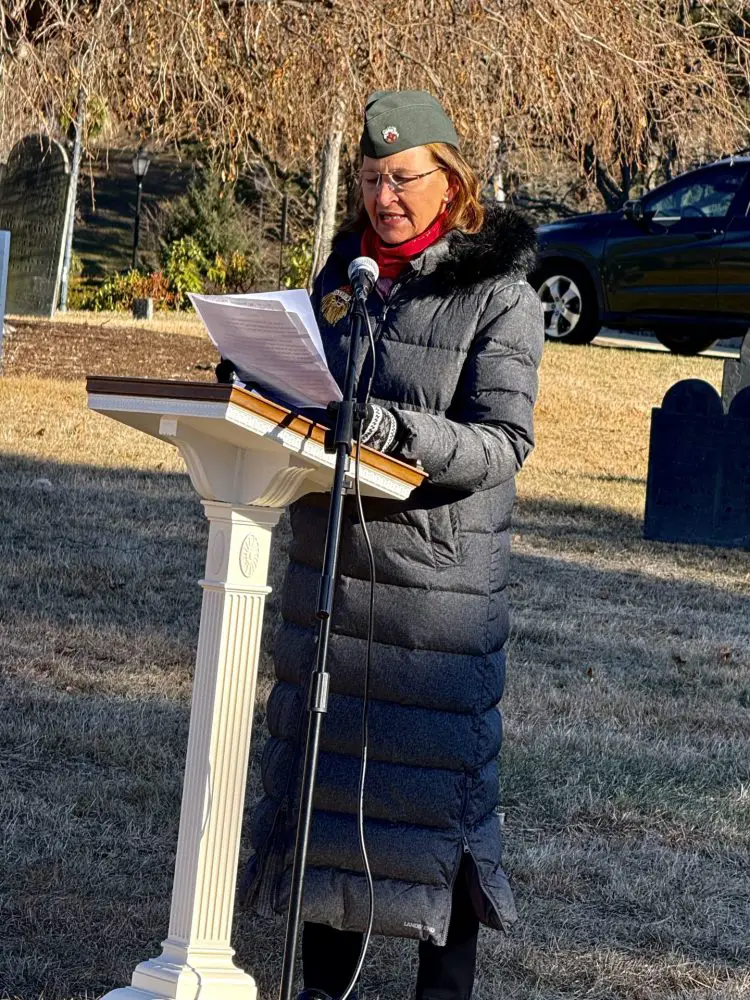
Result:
{"points": [[505, 247]]}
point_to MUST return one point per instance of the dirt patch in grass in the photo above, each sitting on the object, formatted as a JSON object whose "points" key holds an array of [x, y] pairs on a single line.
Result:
{"points": [[626, 775], [70, 351]]}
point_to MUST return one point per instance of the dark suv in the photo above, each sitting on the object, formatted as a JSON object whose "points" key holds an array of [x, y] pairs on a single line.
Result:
{"points": [[676, 262]]}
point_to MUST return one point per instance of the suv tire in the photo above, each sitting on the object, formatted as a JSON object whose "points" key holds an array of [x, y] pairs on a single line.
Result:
{"points": [[685, 341], [571, 311]]}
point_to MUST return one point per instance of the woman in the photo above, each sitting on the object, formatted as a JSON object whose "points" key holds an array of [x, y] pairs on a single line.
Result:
{"points": [[458, 340]]}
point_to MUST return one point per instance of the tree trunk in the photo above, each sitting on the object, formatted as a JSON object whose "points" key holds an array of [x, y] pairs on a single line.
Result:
{"points": [[350, 175], [325, 213], [498, 186], [78, 127], [613, 194]]}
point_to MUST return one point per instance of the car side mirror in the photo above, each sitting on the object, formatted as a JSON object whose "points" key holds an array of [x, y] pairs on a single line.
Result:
{"points": [[633, 210]]}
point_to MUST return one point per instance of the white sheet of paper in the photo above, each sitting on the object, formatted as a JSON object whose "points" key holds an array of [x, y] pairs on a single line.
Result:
{"points": [[294, 300], [271, 343]]}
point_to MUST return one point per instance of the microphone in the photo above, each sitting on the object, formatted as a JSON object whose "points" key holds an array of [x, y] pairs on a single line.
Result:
{"points": [[363, 273]]}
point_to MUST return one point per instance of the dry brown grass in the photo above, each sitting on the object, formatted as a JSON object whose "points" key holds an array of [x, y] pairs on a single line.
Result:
{"points": [[163, 322], [626, 765]]}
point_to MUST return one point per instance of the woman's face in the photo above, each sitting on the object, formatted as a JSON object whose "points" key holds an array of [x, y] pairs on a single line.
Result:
{"points": [[400, 211]]}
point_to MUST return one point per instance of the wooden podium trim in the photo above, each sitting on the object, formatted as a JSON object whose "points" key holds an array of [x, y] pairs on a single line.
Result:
{"points": [[215, 392]]}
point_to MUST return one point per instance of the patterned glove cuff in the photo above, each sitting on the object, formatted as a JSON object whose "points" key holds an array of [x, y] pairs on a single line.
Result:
{"points": [[380, 430]]}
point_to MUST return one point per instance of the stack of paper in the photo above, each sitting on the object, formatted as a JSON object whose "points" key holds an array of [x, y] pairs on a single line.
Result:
{"points": [[272, 338]]}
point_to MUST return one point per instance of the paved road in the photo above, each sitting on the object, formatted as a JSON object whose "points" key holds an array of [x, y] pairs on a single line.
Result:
{"points": [[644, 341]]}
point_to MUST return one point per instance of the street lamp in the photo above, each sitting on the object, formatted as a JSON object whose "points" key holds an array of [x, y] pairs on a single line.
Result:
{"points": [[140, 166]]}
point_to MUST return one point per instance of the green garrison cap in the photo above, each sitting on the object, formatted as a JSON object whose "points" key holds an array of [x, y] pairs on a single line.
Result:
{"points": [[396, 120]]}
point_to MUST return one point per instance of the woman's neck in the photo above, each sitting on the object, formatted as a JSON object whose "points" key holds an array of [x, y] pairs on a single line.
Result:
{"points": [[392, 258]]}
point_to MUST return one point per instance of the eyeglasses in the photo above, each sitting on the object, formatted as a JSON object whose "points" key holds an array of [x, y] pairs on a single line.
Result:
{"points": [[371, 180]]}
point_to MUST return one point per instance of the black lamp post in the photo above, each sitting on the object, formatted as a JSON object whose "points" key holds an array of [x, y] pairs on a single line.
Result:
{"points": [[140, 166]]}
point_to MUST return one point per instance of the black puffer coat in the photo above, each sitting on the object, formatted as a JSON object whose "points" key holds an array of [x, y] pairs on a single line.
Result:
{"points": [[458, 344]]}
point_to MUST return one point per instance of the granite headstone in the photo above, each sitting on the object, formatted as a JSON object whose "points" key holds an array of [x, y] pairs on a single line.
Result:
{"points": [[736, 374], [698, 488], [734, 519], [35, 207]]}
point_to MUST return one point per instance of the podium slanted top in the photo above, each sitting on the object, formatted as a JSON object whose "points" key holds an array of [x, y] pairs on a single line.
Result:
{"points": [[238, 446]]}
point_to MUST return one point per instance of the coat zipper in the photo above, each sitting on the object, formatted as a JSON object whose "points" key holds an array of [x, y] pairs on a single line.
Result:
{"points": [[464, 842], [467, 850]]}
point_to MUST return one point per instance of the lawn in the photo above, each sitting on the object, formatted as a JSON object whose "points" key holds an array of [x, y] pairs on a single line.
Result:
{"points": [[626, 768]]}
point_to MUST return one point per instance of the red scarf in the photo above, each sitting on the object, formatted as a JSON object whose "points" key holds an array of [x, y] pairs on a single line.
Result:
{"points": [[392, 258]]}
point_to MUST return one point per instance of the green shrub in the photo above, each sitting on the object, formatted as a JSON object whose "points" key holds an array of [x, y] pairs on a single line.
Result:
{"points": [[79, 296], [76, 265], [237, 273], [185, 270], [185, 267], [119, 291], [78, 292], [213, 216], [217, 221], [116, 292], [298, 262]]}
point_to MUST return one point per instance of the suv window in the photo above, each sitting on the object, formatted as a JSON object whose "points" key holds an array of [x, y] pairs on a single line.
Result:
{"points": [[706, 197]]}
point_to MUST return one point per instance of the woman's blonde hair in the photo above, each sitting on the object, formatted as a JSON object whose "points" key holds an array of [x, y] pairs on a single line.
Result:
{"points": [[465, 212]]}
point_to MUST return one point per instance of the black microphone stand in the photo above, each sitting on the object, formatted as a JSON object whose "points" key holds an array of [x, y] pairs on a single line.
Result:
{"points": [[348, 416]]}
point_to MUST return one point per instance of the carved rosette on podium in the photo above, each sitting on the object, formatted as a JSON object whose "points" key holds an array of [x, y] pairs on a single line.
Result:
{"points": [[248, 459]]}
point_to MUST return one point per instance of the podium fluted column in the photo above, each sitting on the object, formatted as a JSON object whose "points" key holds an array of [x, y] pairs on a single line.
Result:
{"points": [[197, 959]]}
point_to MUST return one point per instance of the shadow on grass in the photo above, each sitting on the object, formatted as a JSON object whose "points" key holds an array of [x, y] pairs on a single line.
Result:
{"points": [[99, 572], [540, 517], [114, 549], [582, 527], [613, 778]]}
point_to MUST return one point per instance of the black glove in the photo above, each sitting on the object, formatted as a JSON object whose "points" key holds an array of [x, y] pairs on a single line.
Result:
{"points": [[224, 371], [379, 428]]}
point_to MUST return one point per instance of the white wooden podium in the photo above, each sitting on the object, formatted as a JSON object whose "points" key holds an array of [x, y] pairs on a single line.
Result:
{"points": [[247, 458]]}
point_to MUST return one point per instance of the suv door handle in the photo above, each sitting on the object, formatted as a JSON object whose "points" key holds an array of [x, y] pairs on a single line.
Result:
{"points": [[709, 235]]}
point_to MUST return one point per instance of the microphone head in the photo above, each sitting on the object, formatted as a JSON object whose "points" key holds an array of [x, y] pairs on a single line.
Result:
{"points": [[363, 267]]}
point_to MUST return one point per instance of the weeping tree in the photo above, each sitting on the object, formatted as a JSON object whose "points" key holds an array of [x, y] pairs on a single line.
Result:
{"points": [[616, 88], [620, 90]]}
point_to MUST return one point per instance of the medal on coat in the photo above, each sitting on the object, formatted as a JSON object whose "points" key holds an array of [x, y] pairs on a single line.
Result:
{"points": [[335, 305]]}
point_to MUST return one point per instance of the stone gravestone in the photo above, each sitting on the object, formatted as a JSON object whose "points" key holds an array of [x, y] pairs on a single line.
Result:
{"points": [[698, 488], [35, 207], [736, 374], [734, 520]]}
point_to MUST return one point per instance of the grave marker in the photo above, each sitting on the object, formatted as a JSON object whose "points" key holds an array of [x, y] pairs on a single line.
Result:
{"points": [[734, 522], [34, 208], [736, 374], [698, 488]]}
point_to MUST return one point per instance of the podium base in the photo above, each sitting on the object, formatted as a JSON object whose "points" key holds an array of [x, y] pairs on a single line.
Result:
{"points": [[208, 975]]}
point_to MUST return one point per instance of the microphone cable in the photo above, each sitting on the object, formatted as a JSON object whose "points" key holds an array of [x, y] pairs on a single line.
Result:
{"points": [[366, 699]]}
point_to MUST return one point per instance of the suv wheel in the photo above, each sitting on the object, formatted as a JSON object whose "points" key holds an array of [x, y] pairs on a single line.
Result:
{"points": [[685, 341], [571, 312]]}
